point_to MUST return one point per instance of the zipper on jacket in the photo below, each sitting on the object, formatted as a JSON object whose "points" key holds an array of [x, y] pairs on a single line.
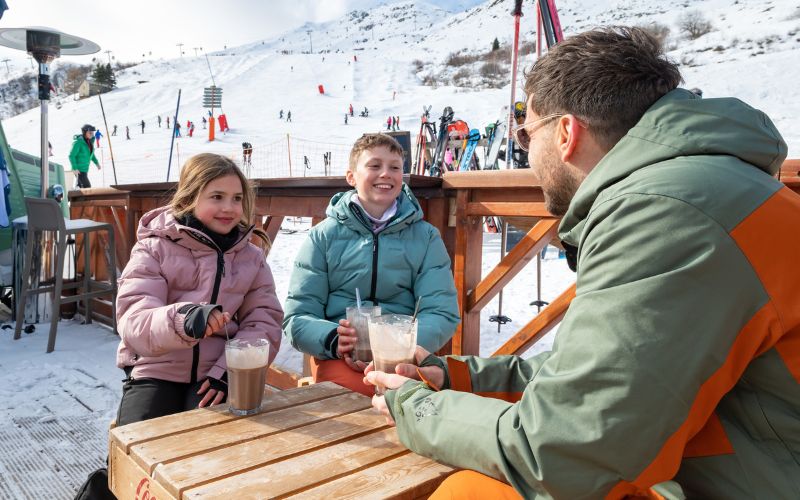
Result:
{"points": [[217, 281], [374, 285]]}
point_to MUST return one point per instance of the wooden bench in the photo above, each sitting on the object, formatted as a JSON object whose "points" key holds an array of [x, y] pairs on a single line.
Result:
{"points": [[319, 441]]}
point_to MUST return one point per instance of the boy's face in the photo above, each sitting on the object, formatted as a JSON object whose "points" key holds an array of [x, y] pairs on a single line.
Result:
{"points": [[378, 178]]}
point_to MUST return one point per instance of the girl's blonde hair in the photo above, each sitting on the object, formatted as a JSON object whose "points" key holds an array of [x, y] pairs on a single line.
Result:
{"points": [[203, 168]]}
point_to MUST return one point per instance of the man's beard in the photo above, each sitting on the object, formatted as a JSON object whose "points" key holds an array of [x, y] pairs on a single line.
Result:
{"points": [[560, 181]]}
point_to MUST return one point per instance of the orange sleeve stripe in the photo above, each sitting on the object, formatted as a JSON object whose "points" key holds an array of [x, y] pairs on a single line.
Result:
{"points": [[460, 378], [762, 327], [710, 441], [773, 252]]}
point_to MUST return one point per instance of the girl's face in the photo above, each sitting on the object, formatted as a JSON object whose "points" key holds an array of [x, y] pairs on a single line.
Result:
{"points": [[219, 205]]}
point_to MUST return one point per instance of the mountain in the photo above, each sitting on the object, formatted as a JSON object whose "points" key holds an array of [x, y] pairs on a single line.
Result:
{"points": [[409, 54]]}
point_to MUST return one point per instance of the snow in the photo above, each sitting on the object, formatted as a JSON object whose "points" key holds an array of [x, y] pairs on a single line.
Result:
{"points": [[79, 380]]}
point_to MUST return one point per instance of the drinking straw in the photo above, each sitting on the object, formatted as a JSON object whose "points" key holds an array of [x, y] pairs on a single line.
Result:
{"points": [[226, 332], [358, 300], [416, 309], [414, 317]]}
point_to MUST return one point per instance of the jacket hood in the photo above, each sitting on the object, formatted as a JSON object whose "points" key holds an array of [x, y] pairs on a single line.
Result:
{"points": [[680, 124], [345, 212], [161, 223]]}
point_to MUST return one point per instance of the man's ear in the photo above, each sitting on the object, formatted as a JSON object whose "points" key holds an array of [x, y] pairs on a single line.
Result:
{"points": [[350, 178], [570, 132]]}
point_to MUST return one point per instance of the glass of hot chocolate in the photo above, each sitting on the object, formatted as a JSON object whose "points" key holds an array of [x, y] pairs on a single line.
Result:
{"points": [[393, 338], [247, 362], [359, 319]]}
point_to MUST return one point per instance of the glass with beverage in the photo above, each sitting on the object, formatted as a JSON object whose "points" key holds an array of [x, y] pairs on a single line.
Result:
{"points": [[247, 373], [393, 338], [359, 319]]}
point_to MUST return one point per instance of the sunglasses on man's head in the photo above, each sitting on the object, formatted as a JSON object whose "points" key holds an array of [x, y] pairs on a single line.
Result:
{"points": [[521, 134]]}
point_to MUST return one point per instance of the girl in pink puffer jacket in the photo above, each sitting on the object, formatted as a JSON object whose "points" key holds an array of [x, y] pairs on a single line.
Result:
{"points": [[193, 273]]}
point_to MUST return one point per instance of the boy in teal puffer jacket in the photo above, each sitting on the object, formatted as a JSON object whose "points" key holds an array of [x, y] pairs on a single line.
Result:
{"points": [[373, 239]]}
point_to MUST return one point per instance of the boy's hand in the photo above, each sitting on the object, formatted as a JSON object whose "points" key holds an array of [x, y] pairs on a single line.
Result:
{"points": [[347, 339], [216, 322], [356, 366]]}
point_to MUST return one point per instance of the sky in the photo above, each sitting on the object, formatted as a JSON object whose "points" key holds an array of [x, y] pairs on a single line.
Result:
{"points": [[152, 29]]}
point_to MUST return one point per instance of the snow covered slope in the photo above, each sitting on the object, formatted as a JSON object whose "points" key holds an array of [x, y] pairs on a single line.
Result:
{"points": [[752, 53]]}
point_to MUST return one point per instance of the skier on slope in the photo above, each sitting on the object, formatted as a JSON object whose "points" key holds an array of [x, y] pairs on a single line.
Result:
{"points": [[159, 121], [389, 123], [142, 126], [97, 136]]}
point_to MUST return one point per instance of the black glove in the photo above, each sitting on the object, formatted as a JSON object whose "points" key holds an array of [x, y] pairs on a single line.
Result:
{"points": [[219, 384], [196, 320]]}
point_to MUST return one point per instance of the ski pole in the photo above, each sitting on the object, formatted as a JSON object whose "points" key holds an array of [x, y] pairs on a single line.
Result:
{"points": [[108, 138], [175, 127]]}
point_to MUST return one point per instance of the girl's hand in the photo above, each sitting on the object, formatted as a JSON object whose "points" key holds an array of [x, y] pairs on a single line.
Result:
{"points": [[212, 396], [216, 322], [347, 339]]}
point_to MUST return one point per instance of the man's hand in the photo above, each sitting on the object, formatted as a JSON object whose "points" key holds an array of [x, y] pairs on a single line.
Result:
{"points": [[379, 403], [216, 322], [433, 374]]}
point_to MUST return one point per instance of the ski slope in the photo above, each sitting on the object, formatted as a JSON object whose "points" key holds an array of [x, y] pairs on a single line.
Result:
{"points": [[264, 77]]}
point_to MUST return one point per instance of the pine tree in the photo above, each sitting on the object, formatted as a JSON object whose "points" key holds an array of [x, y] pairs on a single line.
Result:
{"points": [[495, 44], [104, 77], [112, 80]]}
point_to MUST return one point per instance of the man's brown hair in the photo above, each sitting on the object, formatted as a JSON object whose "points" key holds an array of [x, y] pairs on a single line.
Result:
{"points": [[370, 141], [608, 77]]}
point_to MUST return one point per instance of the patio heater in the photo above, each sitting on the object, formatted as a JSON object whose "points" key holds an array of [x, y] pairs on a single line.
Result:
{"points": [[44, 45]]}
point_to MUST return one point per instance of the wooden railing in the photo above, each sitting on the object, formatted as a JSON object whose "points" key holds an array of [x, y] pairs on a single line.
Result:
{"points": [[456, 205]]}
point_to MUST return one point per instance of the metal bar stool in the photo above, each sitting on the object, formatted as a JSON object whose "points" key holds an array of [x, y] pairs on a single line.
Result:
{"points": [[45, 215]]}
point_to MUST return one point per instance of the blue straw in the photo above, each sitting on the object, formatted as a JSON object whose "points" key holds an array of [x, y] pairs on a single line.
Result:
{"points": [[358, 300]]}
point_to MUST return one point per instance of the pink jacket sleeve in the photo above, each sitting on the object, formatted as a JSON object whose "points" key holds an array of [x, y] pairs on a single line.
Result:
{"points": [[260, 317], [147, 324]]}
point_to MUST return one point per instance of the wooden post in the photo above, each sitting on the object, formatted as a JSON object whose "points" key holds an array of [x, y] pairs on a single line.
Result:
{"points": [[467, 274]]}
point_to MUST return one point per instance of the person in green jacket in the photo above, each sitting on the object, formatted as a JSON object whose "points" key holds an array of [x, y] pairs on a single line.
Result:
{"points": [[676, 370], [373, 240], [81, 153]]}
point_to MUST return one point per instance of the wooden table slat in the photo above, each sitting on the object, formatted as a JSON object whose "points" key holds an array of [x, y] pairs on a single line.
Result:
{"points": [[302, 472], [320, 441], [177, 446], [195, 471], [407, 476], [139, 432]]}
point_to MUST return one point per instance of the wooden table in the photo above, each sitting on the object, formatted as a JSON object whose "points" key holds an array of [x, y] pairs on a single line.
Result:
{"points": [[319, 441]]}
